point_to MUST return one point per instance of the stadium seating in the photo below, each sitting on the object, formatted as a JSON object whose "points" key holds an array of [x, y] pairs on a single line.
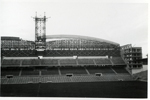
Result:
{"points": [[4, 80], [11, 62], [73, 70], [65, 62], [102, 61], [120, 70], [117, 60], [49, 62], [85, 62], [109, 77], [60, 79], [31, 62], [29, 71], [10, 71], [103, 70], [50, 71], [85, 78]]}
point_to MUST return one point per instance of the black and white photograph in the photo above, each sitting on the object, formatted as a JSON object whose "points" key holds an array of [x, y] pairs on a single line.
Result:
{"points": [[74, 49]]}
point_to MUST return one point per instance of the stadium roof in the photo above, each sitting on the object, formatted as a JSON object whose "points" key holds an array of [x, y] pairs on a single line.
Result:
{"points": [[9, 38], [64, 37]]}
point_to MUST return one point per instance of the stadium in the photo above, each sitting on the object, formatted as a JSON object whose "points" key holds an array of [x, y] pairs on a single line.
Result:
{"points": [[67, 66]]}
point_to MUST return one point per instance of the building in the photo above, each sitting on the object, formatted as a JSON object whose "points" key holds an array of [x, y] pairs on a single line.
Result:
{"points": [[132, 55]]}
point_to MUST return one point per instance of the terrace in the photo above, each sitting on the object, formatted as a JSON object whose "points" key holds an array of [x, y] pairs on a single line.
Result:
{"points": [[120, 70], [29, 71], [10, 71], [11, 62], [31, 62], [65, 62], [49, 62], [50, 71], [85, 62], [73, 70], [103, 70], [102, 61], [118, 60]]}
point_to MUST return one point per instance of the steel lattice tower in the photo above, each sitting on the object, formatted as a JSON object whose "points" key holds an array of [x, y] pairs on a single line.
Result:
{"points": [[40, 32]]}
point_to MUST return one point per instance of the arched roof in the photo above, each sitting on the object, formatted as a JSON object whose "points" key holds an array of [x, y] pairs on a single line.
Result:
{"points": [[66, 37]]}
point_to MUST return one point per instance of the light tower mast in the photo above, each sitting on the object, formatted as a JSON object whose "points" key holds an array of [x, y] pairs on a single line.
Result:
{"points": [[40, 32]]}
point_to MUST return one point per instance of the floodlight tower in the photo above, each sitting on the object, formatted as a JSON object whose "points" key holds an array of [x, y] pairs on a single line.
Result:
{"points": [[40, 32]]}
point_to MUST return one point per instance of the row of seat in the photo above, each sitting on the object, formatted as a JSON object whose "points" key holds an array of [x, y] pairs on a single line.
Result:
{"points": [[11, 62], [117, 60], [63, 71], [58, 79], [63, 62]]}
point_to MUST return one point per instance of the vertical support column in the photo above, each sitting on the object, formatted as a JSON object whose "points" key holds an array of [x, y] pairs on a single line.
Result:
{"points": [[36, 27], [59, 71], [44, 28], [94, 62], [21, 63], [86, 71], [20, 72]]}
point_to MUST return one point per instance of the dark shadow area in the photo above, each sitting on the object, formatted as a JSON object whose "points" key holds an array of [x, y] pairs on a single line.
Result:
{"points": [[118, 89]]}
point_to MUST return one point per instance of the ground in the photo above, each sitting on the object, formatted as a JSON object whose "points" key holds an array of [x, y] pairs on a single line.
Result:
{"points": [[118, 89]]}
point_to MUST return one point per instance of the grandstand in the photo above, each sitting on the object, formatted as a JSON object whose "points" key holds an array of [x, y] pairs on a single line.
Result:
{"points": [[67, 62], [67, 59], [11, 62], [62, 62], [79, 57], [117, 60], [61, 59], [102, 61], [50, 71]]}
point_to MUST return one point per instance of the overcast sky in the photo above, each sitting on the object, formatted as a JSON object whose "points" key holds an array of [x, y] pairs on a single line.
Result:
{"points": [[124, 23]]}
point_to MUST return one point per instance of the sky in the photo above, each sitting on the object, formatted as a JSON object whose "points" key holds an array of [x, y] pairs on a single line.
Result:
{"points": [[120, 22]]}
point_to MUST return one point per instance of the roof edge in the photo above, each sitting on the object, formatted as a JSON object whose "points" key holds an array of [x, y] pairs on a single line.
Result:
{"points": [[79, 37]]}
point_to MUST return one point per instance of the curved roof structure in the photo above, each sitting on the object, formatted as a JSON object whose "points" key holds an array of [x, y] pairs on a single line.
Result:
{"points": [[71, 37]]}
